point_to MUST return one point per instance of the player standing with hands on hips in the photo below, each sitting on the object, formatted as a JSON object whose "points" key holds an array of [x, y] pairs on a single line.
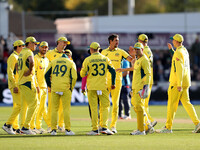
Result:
{"points": [[180, 82]]}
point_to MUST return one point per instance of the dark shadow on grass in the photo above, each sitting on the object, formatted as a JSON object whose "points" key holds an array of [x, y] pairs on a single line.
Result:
{"points": [[183, 129]]}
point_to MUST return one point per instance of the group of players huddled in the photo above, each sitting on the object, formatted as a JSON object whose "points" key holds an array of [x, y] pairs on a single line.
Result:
{"points": [[30, 77]]}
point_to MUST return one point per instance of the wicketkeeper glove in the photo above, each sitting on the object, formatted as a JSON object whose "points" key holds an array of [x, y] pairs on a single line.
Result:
{"points": [[144, 92]]}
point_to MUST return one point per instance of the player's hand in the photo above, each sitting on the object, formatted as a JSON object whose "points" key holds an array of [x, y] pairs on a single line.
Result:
{"points": [[133, 62], [15, 90], [49, 89], [112, 87], [38, 89], [169, 45], [83, 91], [119, 70], [144, 92], [179, 88], [27, 73]]}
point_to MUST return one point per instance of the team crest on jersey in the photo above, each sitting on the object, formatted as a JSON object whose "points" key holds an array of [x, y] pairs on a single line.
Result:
{"points": [[106, 54], [117, 54], [54, 55], [138, 63]]}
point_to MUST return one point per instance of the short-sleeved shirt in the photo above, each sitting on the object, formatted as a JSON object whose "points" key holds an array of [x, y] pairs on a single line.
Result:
{"points": [[116, 55], [23, 66], [41, 64], [125, 79]]}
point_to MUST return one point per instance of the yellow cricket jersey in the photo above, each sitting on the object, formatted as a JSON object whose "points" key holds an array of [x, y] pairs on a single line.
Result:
{"points": [[53, 54], [23, 66], [11, 71], [149, 54], [41, 64], [116, 55], [141, 73], [180, 68], [96, 67], [63, 74]]}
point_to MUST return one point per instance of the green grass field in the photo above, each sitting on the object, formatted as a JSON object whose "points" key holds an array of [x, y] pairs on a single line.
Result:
{"points": [[181, 139]]}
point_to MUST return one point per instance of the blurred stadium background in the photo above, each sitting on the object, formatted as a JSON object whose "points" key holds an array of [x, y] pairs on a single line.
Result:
{"points": [[85, 21]]}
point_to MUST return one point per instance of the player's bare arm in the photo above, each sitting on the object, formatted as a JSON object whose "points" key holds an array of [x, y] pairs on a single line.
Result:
{"points": [[31, 64], [169, 46], [124, 69]]}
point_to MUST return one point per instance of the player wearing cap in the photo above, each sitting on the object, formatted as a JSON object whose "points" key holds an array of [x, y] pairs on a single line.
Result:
{"points": [[147, 51], [27, 83], [140, 86], [96, 67], [62, 42], [14, 88], [180, 81], [116, 55], [63, 78], [41, 64]]}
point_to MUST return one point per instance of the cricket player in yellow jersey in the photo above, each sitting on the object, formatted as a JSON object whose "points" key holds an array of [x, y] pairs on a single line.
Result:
{"points": [[62, 42], [27, 83], [147, 51], [41, 64], [140, 86], [63, 78], [116, 55], [95, 67], [14, 88], [180, 81]]}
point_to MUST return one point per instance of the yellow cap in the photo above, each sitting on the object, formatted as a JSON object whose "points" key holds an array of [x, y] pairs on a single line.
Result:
{"points": [[44, 43], [63, 39], [177, 37], [143, 37], [95, 45], [18, 43], [68, 52], [31, 39], [138, 45]]}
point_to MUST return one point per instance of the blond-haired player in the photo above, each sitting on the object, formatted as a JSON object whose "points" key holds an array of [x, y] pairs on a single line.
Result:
{"points": [[62, 42], [96, 67], [63, 78], [41, 64], [14, 88], [116, 55], [180, 81], [27, 83]]}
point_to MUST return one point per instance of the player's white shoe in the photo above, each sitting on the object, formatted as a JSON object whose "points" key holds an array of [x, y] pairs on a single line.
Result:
{"points": [[41, 131], [164, 130], [107, 131], [36, 131], [114, 130], [61, 129], [93, 133], [8, 129], [27, 131], [197, 128], [138, 133], [67, 132], [49, 130], [53, 132]]}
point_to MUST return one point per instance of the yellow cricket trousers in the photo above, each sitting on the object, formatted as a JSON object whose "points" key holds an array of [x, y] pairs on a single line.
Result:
{"points": [[146, 105], [42, 110], [138, 106], [115, 94], [104, 103], [60, 112], [14, 117], [29, 98], [173, 99], [66, 104]]}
